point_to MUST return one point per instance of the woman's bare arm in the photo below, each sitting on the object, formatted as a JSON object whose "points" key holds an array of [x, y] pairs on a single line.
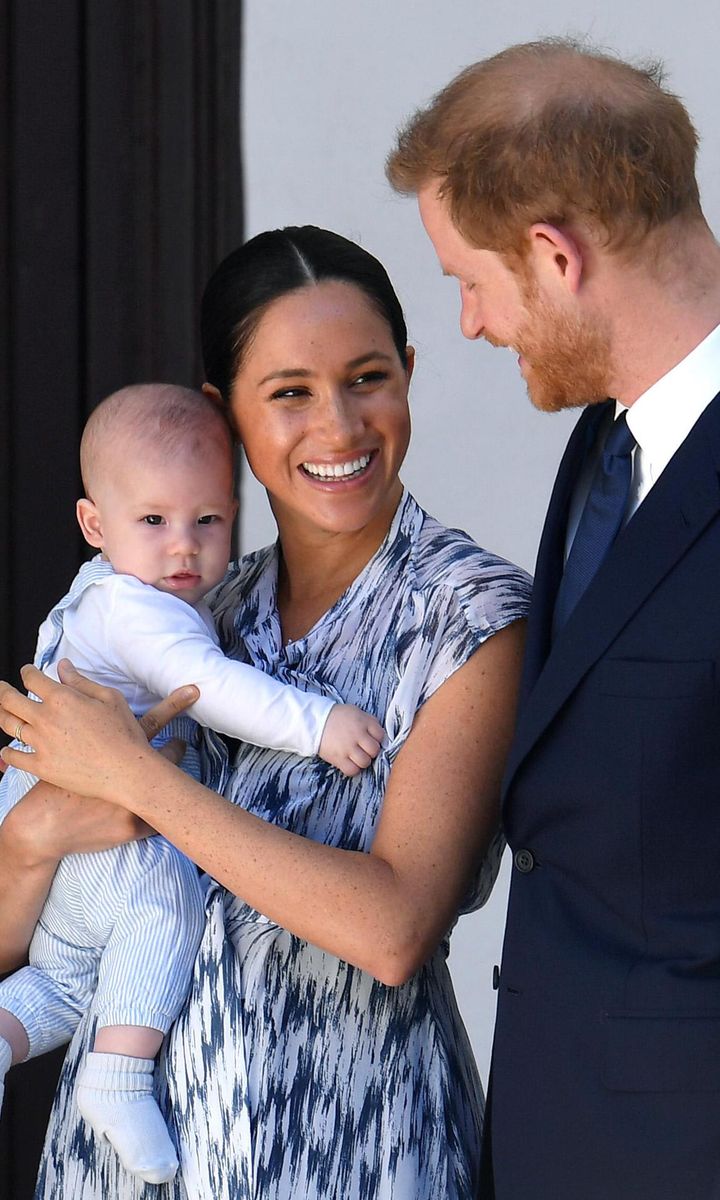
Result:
{"points": [[42, 828], [385, 911]]}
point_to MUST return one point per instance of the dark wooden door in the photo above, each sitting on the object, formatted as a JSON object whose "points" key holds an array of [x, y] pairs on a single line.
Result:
{"points": [[121, 189]]}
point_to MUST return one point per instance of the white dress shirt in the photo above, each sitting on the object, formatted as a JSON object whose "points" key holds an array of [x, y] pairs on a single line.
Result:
{"points": [[659, 420]]}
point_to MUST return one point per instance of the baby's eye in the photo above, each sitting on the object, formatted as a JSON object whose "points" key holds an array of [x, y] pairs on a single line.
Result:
{"points": [[208, 519], [153, 519]]}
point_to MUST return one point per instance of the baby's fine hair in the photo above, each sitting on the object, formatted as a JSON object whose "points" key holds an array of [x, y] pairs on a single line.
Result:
{"points": [[156, 414]]}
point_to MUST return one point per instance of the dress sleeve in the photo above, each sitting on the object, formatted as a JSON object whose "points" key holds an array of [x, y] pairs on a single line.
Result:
{"points": [[466, 611], [161, 642]]}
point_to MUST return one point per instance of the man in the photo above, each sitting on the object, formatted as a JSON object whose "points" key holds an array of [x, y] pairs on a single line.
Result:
{"points": [[558, 185]]}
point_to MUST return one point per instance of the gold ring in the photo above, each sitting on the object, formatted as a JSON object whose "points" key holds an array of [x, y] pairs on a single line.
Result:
{"points": [[18, 732]]}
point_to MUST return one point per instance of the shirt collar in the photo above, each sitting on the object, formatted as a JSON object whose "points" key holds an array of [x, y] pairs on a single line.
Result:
{"points": [[661, 418]]}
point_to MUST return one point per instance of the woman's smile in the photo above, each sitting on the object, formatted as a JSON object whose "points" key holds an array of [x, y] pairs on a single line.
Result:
{"points": [[342, 471], [320, 405]]}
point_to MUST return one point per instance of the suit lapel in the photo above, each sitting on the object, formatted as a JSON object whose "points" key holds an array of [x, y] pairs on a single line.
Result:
{"points": [[680, 505], [551, 552]]}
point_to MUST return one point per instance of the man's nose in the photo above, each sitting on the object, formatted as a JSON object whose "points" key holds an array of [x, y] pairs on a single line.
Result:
{"points": [[471, 322]]}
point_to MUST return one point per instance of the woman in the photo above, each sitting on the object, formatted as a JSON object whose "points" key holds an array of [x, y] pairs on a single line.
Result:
{"points": [[321, 1053]]}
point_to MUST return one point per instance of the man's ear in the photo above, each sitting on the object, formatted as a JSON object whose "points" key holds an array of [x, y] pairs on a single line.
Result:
{"points": [[89, 522], [557, 258]]}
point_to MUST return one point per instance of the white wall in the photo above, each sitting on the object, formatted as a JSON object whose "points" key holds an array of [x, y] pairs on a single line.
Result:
{"points": [[326, 83]]}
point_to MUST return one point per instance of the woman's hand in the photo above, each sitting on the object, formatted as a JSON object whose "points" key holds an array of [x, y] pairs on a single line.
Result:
{"points": [[82, 735], [49, 823]]}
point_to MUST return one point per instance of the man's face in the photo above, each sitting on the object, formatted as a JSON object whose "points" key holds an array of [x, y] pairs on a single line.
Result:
{"points": [[564, 357]]}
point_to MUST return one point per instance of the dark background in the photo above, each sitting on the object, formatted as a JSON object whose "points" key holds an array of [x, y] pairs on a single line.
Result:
{"points": [[121, 189]]}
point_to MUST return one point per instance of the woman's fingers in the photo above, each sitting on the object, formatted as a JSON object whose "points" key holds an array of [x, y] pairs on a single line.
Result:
{"points": [[71, 718], [157, 717], [69, 676], [77, 724], [15, 707], [16, 704]]}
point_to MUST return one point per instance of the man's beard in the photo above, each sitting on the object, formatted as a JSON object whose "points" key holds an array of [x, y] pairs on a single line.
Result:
{"points": [[566, 360]]}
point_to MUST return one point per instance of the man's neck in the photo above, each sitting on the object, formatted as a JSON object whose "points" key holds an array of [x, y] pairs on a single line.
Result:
{"points": [[660, 315]]}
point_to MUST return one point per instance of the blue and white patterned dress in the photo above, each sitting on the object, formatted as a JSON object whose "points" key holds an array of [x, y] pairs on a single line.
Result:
{"points": [[292, 1074]]}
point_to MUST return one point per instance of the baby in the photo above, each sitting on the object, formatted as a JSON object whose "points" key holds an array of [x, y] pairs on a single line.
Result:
{"points": [[124, 925]]}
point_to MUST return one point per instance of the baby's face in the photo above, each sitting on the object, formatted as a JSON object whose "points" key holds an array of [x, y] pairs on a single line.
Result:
{"points": [[166, 518]]}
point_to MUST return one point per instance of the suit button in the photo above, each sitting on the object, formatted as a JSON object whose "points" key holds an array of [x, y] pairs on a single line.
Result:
{"points": [[524, 861], [496, 977]]}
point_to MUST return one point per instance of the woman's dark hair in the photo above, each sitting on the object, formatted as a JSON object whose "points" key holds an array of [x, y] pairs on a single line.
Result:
{"points": [[267, 267]]}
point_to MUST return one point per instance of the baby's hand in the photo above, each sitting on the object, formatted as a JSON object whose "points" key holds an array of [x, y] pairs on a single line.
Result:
{"points": [[351, 739]]}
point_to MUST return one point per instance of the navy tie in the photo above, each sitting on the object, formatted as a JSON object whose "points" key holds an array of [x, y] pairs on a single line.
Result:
{"points": [[600, 521]]}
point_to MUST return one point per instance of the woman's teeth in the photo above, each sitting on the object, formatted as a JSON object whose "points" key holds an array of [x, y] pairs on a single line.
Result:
{"points": [[338, 470]]}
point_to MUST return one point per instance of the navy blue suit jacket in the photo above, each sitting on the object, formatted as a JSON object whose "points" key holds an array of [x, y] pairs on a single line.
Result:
{"points": [[606, 1065]]}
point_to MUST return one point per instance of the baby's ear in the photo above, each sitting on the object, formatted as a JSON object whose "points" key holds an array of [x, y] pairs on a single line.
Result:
{"points": [[212, 393], [89, 522]]}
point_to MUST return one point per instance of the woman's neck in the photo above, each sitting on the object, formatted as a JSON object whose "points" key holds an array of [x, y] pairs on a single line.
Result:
{"points": [[317, 566]]}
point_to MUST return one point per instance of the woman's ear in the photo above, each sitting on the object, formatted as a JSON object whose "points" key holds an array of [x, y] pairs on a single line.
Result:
{"points": [[557, 258], [409, 361], [89, 522]]}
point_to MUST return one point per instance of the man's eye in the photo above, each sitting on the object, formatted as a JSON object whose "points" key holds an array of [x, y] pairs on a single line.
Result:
{"points": [[153, 519]]}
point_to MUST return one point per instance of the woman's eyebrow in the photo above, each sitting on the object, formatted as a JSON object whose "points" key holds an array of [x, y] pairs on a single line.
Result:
{"points": [[371, 355], [287, 373], [294, 372]]}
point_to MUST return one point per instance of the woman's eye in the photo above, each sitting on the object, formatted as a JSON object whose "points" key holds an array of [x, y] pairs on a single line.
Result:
{"points": [[369, 377], [153, 519], [292, 393]]}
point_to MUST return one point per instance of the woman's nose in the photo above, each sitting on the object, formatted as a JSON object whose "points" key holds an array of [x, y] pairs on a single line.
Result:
{"points": [[342, 416]]}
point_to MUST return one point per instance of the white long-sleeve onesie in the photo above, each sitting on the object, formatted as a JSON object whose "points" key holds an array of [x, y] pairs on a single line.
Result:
{"points": [[131, 636], [125, 923]]}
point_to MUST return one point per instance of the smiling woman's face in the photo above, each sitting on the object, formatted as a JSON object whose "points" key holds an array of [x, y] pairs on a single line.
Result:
{"points": [[320, 405]]}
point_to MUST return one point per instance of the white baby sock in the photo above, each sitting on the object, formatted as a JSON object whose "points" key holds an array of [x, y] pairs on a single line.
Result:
{"points": [[5, 1065], [115, 1097]]}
